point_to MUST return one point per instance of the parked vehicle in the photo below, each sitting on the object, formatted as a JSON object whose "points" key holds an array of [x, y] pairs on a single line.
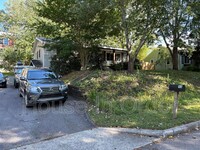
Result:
{"points": [[41, 85], [17, 72], [3, 80]]}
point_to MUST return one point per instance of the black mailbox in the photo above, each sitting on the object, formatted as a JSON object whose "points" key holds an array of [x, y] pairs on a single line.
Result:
{"points": [[177, 87]]}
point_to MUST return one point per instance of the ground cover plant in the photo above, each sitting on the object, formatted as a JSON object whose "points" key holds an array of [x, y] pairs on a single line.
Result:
{"points": [[140, 100]]}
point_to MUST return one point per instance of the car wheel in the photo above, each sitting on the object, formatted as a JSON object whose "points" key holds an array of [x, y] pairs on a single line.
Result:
{"points": [[27, 101], [15, 84], [64, 99], [5, 85]]}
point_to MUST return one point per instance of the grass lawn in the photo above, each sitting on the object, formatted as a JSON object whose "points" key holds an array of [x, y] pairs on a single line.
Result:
{"points": [[139, 100], [8, 73]]}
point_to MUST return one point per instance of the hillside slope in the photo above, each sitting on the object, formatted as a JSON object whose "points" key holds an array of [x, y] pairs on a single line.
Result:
{"points": [[139, 100]]}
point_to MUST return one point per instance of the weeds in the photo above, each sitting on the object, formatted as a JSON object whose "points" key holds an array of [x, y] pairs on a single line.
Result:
{"points": [[141, 99]]}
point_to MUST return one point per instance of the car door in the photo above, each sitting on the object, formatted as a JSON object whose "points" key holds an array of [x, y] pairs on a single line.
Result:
{"points": [[23, 82]]}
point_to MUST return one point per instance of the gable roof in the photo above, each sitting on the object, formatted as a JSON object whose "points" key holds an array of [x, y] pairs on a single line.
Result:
{"points": [[41, 40]]}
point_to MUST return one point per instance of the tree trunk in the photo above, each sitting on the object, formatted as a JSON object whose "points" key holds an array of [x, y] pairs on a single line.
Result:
{"points": [[175, 58], [131, 64], [84, 57]]}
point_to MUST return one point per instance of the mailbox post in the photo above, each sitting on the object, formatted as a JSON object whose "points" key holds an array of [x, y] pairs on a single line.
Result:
{"points": [[176, 89]]}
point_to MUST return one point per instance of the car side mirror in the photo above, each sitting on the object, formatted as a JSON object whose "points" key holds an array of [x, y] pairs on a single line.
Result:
{"points": [[59, 76], [22, 78]]}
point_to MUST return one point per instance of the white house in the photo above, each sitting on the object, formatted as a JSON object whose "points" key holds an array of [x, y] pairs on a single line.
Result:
{"points": [[40, 53], [113, 55]]}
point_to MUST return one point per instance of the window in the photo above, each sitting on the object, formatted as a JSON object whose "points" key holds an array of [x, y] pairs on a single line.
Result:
{"points": [[117, 57], [109, 56], [152, 61], [1, 41], [5, 41], [185, 60], [39, 53]]}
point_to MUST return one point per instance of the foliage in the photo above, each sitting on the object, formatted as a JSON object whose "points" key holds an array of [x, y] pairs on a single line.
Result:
{"points": [[191, 68], [63, 65], [84, 22], [177, 20], [140, 100], [143, 53], [124, 66], [139, 20], [9, 58], [17, 21], [163, 55]]}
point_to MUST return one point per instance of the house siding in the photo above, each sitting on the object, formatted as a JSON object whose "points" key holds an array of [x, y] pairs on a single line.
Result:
{"points": [[42, 54]]}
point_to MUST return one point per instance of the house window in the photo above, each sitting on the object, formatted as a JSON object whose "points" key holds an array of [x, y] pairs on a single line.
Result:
{"points": [[5, 41], [152, 61], [109, 56], [185, 60], [117, 57], [39, 53], [1, 41]]}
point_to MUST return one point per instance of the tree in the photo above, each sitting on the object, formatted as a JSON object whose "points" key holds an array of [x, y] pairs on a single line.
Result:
{"points": [[139, 20], [18, 19], [176, 25], [85, 22]]}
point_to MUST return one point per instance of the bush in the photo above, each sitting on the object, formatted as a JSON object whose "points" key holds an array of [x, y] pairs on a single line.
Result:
{"points": [[124, 66], [65, 65], [191, 68]]}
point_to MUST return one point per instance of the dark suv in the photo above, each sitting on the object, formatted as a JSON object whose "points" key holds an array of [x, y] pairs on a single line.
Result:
{"points": [[41, 85], [3, 80]]}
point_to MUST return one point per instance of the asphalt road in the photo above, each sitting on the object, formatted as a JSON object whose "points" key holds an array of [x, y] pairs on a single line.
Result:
{"points": [[20, 125], [186, 141]]}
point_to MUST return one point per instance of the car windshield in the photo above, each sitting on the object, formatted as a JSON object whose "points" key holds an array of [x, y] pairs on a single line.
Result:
{"points": [[18, 70], [37, 75]]}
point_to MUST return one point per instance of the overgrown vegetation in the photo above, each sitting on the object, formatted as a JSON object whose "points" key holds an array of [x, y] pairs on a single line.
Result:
{"points": [[140, 100]]}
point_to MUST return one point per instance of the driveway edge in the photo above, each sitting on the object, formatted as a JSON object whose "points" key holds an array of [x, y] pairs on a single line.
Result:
{"points": [[161, 133]]}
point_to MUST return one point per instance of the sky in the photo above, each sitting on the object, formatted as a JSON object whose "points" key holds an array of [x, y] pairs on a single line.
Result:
{"points": [[2, 4]]}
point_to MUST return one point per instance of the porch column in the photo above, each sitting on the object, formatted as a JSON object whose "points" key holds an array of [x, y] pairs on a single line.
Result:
{"points": [[114, 57], [104, 56], [122, 57]]}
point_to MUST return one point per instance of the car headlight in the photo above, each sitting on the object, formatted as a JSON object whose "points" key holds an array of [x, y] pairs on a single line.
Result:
{"points": [[34, 89], [62, 87]]}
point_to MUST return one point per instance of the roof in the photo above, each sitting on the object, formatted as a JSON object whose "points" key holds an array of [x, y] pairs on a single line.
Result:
{"points": [[41, 40], [112, 48]]}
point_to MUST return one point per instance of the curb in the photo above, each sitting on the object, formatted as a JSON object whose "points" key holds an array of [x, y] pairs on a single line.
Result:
{"points": [[160, 133]]}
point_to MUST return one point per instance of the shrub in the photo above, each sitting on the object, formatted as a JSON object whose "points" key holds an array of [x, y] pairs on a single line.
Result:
{"points": [[124, 66], [64, 65], [191, 68]]}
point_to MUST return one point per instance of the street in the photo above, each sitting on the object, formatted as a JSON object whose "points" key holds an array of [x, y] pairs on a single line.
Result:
{"points": [[185, 141], [20, 125]]}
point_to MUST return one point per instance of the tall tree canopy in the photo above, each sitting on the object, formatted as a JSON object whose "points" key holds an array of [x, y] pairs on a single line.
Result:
{"points": [[18, 19], [139, 20], [177, 20], [84, 22]]}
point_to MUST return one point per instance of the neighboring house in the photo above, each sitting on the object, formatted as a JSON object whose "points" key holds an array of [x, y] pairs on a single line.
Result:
{"points": [[4, 42], [113, 55], [153, 61], [41, 55]]}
